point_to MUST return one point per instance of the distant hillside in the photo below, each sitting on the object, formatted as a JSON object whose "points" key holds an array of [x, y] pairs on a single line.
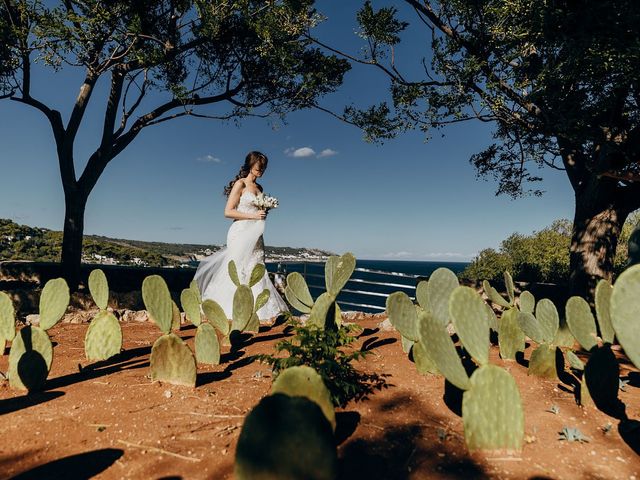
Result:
{"points": [[22, 242]]}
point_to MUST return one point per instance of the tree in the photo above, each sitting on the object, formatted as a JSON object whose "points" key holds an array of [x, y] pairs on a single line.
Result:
{"points": [[559, 81], [168, 57]]}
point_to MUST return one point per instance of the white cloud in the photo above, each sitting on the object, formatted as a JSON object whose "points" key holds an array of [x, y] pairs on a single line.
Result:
{"points": [[300, 152], [209, 159], [327, 152], [397, 255], [449, 255]]}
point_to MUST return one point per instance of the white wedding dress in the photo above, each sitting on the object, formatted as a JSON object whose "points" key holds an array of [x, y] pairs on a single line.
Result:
{"points": [[245, 246]]}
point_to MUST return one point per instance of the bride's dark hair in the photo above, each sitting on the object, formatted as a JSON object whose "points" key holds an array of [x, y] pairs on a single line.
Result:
{"points": [[251, 159]]}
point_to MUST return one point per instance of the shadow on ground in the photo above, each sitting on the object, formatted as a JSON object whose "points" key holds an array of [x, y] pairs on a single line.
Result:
{"points": [[80, 466]]}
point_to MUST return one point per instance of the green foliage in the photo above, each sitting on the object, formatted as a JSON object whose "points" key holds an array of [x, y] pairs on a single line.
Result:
{"points": [[330, 353]]}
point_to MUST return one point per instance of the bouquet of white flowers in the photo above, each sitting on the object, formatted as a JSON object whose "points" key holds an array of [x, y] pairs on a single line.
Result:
{"points": [[265, 202]]}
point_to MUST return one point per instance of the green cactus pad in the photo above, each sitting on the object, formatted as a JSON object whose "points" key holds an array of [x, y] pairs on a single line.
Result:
{"points": [[493, 295], [176, 318], [406, 344], [492, 411], [157, 301], [286, 437], [253, 325], [625, 305], [424, 363], [563, 337], [207, 345], [103, 339], [242, 308], [510, 337], [543, 362], [584, 399], [508, 284], [30, 359], [491, 318], [440, 348], [233, 273], [297, 293], [304, 381], [7, 318], [442, 283], [172, 361], [191, 306], [548, 319], [256, 274], [215, 314], [527, 301], [530, 326], [581, 322], [194, 286], [602, 374], [574, 361], [422, 295], [99, 288], [469, 317], [320, 310], [402, 315], [54, 301], [262, 299], [604, 290], [337, 272]]}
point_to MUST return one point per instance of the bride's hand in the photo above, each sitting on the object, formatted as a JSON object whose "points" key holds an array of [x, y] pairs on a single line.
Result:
{"points": [[261, 215]]}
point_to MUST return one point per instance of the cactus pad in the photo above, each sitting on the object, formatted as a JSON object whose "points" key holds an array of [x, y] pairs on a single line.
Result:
{"points": [[30, 359], [207, 345], [548, 318], [442, 283], [563, 337], [625, 305], [157, 301], [194, 286], [256, 274], [103, 339], [574, 361], [242, 308], [510, 336], [337, 272], [176, 318], [402, 315], [286, 437], [304, 381], [441, 350], [527, 302], [191, 306], [508, 285], [543, 362], [422, 295], [233, 273], [604, 290], [320, 310], [253, 325], [491, 318], [262, 299], [54, 301], [424, 363], [530, 326], [216, 316], [297, 293], [581, 322], [469, 317], [7, 318], [492, 411], [493, 295], [99, 288], [406, 344], [172, 361]]}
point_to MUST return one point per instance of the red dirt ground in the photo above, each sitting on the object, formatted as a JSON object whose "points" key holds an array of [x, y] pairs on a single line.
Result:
{"points": [[109, 420]]}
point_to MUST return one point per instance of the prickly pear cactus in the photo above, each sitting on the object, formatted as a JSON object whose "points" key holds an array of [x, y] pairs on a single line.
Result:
{"points": [[30, 359], [469, 317], [286, 437], [574, 361], [321, 310], [242, 308], [491, 318], [530, 326], [172, 361], [581, 322], [257, 274], [563, 337], [337, 272], [304, 381], [402, 315], [103, 339], [422, 295], [441, 285], [604, 290], [157, 301], [207, 345], [54, 301], [543, 362], [508, 284], [262, 299], [216, 316], [99, 288], [7, 319], [297, 293], [548, 318], [492, 411], [493, 295], [527, 302], [233, 273], [406, 344], [191, 306], [176, 318], [253, 325], [510, 337], [193, 285], [625, 305], [424, 364]]}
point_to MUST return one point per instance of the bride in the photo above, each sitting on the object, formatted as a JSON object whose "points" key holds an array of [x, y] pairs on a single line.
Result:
{"points": [[245, 244]]}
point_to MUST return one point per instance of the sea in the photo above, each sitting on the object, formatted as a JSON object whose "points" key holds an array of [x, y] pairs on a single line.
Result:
{"points": [[371, 282]]}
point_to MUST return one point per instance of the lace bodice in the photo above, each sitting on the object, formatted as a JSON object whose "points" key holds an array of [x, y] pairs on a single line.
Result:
{"points": [[245, 205]]}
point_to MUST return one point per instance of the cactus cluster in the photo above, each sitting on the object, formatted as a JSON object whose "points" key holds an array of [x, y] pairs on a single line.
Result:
{"points": [[324, 310], [245, 306], [491, 407], [104, 335], [171, 359], [31, 351], [289, 434]]}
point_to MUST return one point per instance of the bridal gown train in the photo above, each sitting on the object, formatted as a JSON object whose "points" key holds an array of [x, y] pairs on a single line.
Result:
{"points": [[245, 246]]}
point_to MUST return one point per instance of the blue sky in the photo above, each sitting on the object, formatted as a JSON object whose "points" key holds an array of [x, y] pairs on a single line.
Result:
{"points": [[405, 199]]}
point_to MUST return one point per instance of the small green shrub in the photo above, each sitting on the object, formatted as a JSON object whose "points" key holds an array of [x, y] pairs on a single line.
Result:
{"points": [[329, 351]]}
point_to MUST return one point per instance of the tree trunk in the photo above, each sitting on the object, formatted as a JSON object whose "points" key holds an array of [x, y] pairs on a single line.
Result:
{"points": [[75, 204], [597, 226]]}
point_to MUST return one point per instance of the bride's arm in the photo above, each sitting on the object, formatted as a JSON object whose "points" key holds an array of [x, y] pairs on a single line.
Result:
{"points": [[230, 209]]}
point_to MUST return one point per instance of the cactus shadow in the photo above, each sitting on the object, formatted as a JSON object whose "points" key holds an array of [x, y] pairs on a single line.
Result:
{"points": [[633, 379], [123, 356], [10, 405], [520, 360], [206, 378], [82, 465], [629, 430], [265, 338], [374, 342], [346, 424], [368, 332], [90, 374]]}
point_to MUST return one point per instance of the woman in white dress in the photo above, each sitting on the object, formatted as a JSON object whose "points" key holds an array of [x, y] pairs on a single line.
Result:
{"points": [[245, 244]]}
